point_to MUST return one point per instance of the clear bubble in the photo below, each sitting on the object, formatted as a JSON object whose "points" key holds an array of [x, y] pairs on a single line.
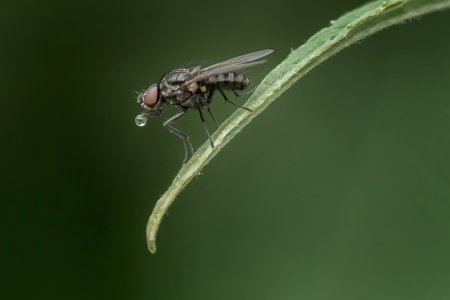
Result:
{"points": [[140, 120]]}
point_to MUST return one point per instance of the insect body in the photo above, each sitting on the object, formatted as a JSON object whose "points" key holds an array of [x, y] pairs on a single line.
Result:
{"points": [[194, 88]]}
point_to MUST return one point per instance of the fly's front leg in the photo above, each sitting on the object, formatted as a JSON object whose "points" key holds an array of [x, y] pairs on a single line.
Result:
{"points": [[168, 125]]}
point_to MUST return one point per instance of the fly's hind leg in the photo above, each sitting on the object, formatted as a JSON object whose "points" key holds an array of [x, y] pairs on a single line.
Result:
{"points": [[226, 99], [246, 93], [186, 143]]}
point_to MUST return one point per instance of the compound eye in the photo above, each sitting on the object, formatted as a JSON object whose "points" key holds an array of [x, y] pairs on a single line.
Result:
{"points": [[151, 96]]}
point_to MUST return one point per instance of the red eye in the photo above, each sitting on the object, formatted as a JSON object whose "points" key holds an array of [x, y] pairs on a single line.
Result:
{"points": [[151, 96]]}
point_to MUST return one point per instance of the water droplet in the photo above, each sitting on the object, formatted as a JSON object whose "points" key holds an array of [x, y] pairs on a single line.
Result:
{"points": [[140, 120]]}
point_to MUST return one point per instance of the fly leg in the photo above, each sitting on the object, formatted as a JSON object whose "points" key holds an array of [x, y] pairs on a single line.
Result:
{"points": [[213, 117], [168, 125], [211, 93], [246, 93], [226, 99], [204, 126]]}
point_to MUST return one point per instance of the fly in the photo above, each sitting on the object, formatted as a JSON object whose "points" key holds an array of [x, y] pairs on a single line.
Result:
{"points": [[194, 88]]}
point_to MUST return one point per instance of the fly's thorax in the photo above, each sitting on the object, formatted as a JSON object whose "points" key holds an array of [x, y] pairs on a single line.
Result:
{"points": [[171, 86], [174, 95], [192, 87], [180, 76], [229, 81]]}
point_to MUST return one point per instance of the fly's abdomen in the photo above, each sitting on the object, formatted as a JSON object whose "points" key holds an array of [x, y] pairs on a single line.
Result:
{"points": [[228, 81]]}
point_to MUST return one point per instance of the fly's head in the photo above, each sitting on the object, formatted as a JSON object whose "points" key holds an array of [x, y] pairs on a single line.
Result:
{"points": [[150, 100]]}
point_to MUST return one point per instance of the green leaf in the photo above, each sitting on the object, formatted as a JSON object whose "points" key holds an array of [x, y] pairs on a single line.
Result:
{"points": [[348, 29]]}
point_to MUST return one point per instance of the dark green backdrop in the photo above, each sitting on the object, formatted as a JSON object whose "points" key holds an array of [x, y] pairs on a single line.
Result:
{"points": [[340, 190]]}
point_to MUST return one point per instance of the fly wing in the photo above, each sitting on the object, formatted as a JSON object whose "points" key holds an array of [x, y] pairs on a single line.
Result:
{"points": [[222, 70], [240, 59], [231, 65]]}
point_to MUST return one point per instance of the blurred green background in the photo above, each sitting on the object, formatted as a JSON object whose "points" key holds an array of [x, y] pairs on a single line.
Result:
{"points": [[339, 190]]}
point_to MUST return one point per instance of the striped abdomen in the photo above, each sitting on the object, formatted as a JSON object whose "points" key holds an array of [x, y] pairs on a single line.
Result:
{"points": [[228, 81]]}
